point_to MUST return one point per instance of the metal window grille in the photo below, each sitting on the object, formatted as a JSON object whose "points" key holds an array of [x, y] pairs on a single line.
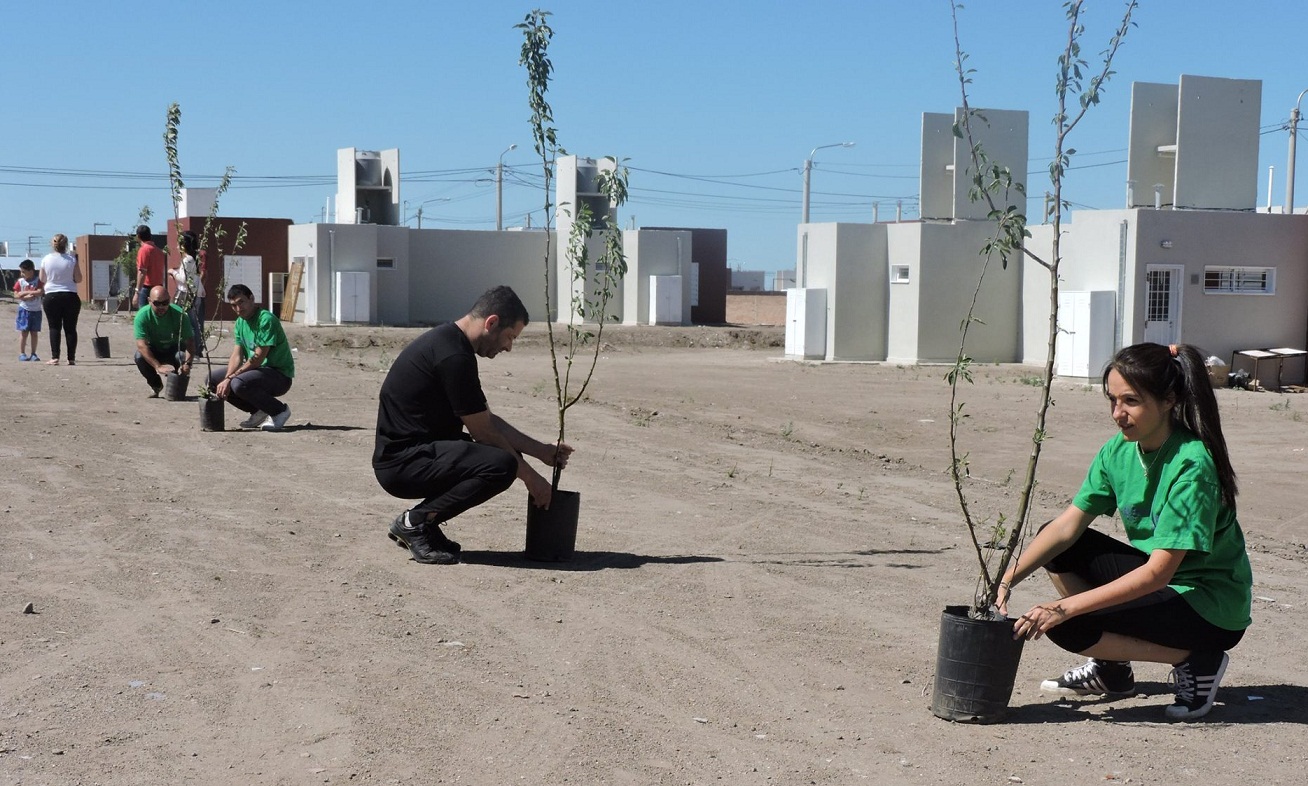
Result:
{"points": [[1159, 306]]}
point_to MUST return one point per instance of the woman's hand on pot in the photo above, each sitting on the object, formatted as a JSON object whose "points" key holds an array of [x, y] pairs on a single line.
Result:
{"points": [[1037, 622]]}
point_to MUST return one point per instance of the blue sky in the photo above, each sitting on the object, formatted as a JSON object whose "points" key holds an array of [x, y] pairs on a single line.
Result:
{"points": [[715, 104]]}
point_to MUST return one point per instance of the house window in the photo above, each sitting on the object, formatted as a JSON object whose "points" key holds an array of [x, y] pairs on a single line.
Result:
{"points": [[899, 274], [1219, 280], [386, 264]]}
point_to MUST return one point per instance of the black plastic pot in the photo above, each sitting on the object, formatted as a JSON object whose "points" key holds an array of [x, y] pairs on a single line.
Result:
{"points": [[976, 664], [552, 533], [175, 386], [100, 344], [211, 414]]}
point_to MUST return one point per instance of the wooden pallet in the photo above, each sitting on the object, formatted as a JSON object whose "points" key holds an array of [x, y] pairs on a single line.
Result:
{"points": [[292, 291]]}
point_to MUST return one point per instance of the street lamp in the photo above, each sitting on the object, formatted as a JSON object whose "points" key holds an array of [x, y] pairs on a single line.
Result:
{"points": [[1289, 170], [499, 189], [95, 228], [808, 170]]}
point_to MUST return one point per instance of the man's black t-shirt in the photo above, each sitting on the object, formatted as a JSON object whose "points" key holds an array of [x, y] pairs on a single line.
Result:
{"points": [[431, 385]]}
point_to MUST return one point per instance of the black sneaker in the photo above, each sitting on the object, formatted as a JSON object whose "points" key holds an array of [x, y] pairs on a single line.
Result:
{"points": [[1196, 679], [436, 536], [419, 544], [1094, 678]]}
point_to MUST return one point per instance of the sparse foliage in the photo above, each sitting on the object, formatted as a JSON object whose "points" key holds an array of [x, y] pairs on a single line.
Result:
{"points": [[211, 334], [594, 282], [994, 184]]}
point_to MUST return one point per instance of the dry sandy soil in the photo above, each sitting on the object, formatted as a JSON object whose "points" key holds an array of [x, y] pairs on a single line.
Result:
{"points": [[764, 553]]}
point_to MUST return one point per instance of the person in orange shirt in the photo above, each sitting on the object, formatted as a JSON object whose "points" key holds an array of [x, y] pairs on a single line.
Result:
{"points": [[150, 264]]}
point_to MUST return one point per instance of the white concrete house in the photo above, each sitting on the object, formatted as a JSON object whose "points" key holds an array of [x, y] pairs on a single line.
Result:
{"points": [[369, 268], [657, 288], [1203, 267], [898, 292], [1188, 260]]}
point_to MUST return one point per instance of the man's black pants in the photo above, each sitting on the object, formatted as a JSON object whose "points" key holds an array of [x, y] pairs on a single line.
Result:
{"points": [[449, 476], [170, 355]]}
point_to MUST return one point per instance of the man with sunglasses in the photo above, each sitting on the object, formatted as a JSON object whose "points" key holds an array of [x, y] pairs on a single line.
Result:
{"points": [[164, 341]]}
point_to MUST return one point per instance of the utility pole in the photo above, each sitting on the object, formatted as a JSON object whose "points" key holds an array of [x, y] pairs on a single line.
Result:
{"points": [[499, 189], [1289, 170]]}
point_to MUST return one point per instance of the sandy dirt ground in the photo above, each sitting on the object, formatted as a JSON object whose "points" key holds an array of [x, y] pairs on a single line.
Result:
{"points": [[765, 550]]}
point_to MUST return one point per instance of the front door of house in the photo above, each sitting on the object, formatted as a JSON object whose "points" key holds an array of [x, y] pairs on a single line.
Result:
{"points": [[1163, 303]]}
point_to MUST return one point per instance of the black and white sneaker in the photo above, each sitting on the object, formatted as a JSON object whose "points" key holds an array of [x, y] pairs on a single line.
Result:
{"points": [[1196, 679], [1094, 678]]}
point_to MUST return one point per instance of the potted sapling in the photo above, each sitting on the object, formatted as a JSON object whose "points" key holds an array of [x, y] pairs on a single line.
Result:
{"points": [[593, 264], [977, 655], [209, 337]]}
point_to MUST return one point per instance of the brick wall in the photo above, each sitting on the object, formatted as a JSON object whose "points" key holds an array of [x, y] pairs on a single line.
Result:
{"points": [[756, 308]]}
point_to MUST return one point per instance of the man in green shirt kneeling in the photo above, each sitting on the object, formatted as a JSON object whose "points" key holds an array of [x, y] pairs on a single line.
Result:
{"points": [[261, 366], [164, 342]]}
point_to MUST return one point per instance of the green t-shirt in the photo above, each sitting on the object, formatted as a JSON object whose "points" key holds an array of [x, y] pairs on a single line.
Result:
{"points": [[265, 332], [1178, 505], [162, 330]]}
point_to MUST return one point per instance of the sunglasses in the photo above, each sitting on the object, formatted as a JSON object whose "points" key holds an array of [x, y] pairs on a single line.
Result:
{"points": [[159, 302]]}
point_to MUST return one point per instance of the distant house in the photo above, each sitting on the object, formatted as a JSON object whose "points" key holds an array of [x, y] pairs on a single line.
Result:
{"points": [[367, 267], [748, 280], [1189, 261]]}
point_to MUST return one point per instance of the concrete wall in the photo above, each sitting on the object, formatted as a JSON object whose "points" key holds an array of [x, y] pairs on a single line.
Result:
{"points": [[576, 183], [654, 253], [1217, 143], [936, 183], [1153, 124], [947, 159], [1111, 250], [1209, 130], [452, 268], [437, 274], [1033, 346], [903, 298], [1223, 323], [1002, 134], [949, 268], [709, 253], [749, 281], [849, 261], [1094, 246]]}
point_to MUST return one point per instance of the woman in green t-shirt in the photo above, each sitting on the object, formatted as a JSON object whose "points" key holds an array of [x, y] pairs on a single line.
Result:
{"points": [[1180, 591]]}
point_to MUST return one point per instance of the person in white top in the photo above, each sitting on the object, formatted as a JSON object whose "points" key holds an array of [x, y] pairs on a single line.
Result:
{"points": [[60, 277], [190, 285]]}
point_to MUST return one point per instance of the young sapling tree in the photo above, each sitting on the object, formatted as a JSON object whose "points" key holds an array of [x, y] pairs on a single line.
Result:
{"points": [[210, 338], [1004, 197], [574, 351]]}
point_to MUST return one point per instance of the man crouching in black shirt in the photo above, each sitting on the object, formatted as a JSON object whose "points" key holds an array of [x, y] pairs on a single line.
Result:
{"points": [[431, 394]]}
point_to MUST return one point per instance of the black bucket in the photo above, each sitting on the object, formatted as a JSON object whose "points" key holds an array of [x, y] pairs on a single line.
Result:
{"points": [[552, 533], [100, 344], [175, 386], [976, 664], [211, 414]]}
